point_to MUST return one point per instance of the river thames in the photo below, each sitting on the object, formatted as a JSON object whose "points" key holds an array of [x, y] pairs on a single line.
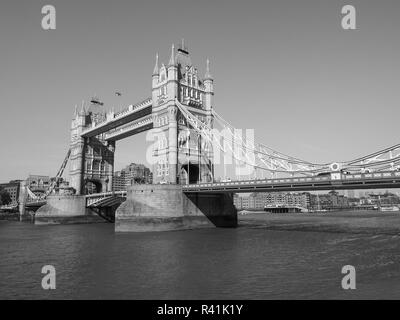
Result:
{"points": [[250, 262]]}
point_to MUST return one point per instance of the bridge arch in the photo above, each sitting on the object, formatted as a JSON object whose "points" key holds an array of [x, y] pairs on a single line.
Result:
{"points": [[189, 173], [94, 186]]}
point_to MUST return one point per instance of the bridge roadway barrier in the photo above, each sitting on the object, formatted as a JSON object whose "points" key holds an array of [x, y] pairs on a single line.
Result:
{"points": [[166, 207], [66, 209]]}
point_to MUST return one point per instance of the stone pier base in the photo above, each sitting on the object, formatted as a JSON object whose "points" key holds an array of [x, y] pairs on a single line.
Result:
{"points": [[166, 207], [63, 209]]}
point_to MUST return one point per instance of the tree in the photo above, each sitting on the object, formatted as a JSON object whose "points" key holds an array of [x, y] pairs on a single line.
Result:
{"points": [[138, 180], [5, 197]]}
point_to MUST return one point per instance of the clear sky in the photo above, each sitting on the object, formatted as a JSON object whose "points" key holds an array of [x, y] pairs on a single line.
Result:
{"points": [[285, 68]]}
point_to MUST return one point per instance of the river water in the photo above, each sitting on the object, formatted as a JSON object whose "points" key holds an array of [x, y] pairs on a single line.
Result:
{"points": [[92, 262]]}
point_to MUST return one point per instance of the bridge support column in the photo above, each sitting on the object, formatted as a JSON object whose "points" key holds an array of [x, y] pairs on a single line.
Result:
{"points": [[111, 147], [166, 207], [66, 209], [173, 143], [76, 170], [22, 200]]}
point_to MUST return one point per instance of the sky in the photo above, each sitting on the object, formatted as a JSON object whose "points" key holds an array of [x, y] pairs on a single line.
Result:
{"points": [[284, 68]]}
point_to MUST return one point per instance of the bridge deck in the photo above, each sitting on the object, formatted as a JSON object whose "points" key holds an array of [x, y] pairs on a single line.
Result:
{"points": [[105, 199], [347, 182]]}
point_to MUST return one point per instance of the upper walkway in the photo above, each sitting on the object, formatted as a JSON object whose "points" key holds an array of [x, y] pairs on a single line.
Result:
{"points": [[139, 114]]}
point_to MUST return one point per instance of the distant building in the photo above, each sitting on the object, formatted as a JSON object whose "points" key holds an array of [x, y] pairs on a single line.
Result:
{"points": [[245, 203], [386, 198], [13, 190], [351, 194], [38, 182], [119, 181], [259, 201], [332, 200], [137, 174], [130, 175]]}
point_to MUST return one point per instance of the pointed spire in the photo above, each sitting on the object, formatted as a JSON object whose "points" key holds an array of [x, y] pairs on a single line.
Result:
{"points": [[76, 110], [83, 111], [172, 59], [155, 71], [208, 74]]}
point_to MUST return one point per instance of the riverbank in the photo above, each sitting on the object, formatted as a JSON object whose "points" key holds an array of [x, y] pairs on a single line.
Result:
{"points": [[9, 216], [369, 222]]}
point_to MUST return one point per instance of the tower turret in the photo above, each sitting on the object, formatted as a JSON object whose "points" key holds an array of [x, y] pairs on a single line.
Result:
{"points": [[155, 77], [209, 88], [77, 148], [172, 85], [172, 59]]}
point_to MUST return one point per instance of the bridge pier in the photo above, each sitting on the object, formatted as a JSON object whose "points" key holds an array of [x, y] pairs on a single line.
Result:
{"points": [[165, 208], [66, 209], [22, 200]]}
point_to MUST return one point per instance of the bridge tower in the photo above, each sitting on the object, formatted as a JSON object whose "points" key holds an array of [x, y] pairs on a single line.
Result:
{"points": [[181, 155], [92, 159]]}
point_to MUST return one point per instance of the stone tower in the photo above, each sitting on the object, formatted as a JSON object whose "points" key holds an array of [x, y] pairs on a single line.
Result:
{"points": [[77, 147], [181, 155], [92, 159]]}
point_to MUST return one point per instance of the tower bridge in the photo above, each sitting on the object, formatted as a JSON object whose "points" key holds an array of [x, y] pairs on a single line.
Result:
{"points": [[190, 140]]}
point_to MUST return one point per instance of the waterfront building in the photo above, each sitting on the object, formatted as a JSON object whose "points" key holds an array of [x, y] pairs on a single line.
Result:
{"points": [[119, 181], [130, 175], [258, 201], [351, 194], [137, 174], [12, 188], [38, 182], [386, 198], [330, 201], [245, 203]]}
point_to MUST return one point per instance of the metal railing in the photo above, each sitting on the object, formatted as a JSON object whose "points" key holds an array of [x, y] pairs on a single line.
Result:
{"points": [[344, 177], [92, 199]]}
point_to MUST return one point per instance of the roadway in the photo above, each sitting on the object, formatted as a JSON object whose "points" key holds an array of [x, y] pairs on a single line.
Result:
{"points": [[301, 184]]}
